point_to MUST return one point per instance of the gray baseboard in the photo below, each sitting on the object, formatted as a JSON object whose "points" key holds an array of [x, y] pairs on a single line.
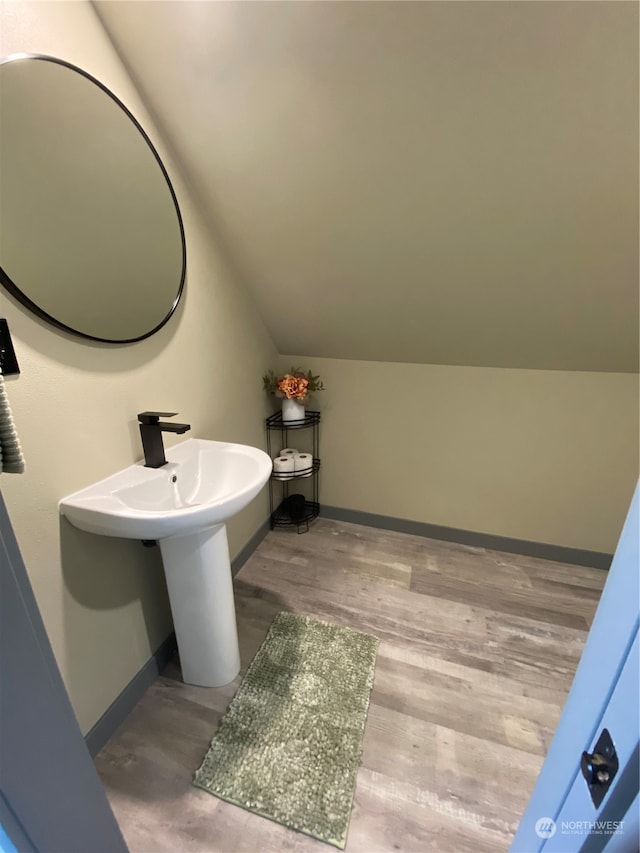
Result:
{"points": [[557, 553], [122, 706]]}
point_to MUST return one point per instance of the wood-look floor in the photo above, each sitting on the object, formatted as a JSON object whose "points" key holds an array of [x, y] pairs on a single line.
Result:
{"points": [[477, 654]]}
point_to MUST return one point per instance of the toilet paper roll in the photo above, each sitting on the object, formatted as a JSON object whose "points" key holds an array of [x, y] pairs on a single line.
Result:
{"points": [[283, 467], [288, 451], [303, 464]]}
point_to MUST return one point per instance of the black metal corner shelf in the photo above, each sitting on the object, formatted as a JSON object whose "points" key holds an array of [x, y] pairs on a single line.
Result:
{"points": [[284, 511]]}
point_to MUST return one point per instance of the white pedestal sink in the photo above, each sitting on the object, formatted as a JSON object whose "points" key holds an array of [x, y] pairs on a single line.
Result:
{"points": [[184, 505]]}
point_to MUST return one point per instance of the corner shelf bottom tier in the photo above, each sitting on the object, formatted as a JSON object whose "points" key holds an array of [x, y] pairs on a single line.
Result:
{"points": [[281, 517]]}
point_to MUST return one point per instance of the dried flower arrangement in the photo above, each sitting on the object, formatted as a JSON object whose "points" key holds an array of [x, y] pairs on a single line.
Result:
{"points": [[295, 385]]}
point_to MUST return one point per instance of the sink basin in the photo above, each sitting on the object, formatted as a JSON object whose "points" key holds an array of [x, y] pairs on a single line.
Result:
{"points": [[203, 483], [184, 506]]}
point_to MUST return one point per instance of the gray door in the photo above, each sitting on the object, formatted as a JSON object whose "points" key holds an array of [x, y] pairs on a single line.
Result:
{"points": [[51, 799]]}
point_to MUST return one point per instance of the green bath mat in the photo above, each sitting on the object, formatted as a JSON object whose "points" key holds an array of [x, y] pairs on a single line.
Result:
{"points": [[289, 744]]}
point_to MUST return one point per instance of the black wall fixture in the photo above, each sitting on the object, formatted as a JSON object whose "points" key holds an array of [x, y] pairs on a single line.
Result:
{"points": [[8, 360]]}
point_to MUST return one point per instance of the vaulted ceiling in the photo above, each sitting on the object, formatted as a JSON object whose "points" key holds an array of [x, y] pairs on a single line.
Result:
{"points": [[430, 182]]}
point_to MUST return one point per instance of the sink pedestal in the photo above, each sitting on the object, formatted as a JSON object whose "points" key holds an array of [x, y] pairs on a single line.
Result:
{"points": [[183, 506], [198, 574]]}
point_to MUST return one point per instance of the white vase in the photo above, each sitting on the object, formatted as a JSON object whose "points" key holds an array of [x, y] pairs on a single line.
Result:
{"points": [[292, 410]]}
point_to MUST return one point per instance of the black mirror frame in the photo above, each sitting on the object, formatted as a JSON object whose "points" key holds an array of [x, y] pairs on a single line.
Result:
{"points": [[11, 286]]}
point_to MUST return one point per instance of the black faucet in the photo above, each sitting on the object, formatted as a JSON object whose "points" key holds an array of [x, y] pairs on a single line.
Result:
{"points": [[151, 429]]}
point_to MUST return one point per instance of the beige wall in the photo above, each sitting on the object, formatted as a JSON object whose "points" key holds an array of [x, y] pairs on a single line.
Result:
{"points": [[104, 601], [547, 456]]}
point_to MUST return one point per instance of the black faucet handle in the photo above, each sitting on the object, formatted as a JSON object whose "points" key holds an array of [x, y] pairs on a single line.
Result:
{"points": [[154, 417]]}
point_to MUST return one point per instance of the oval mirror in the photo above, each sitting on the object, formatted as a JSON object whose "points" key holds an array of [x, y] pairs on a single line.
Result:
{"points": [[91, 237]]}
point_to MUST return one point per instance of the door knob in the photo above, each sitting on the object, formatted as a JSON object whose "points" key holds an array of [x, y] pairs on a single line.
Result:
{"points": [[599, 767], [595, 768]]}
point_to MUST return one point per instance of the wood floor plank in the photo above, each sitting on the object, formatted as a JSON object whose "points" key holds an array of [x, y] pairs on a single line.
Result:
{"points": [[460, 707], [397, 816], [478, 650], [546, 602]]}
